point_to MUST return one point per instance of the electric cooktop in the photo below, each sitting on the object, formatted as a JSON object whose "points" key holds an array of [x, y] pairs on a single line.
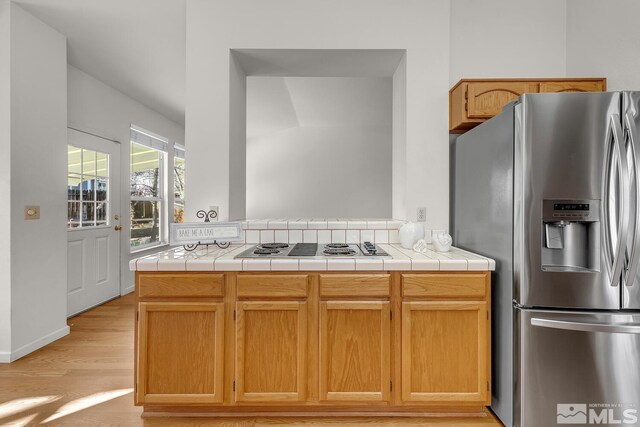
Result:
{"points": [[314, 250]]}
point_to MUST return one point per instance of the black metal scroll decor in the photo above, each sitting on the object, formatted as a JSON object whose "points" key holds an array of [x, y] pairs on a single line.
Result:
{"points": [[207, 216]]}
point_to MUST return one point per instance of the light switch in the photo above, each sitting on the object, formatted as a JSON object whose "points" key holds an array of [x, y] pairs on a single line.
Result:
{"points": [[32, 212]]}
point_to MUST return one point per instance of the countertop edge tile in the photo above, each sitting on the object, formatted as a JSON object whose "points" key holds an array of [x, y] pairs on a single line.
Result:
{"points": [[285, 264], [341, 264], [253, 264], [179, 264], [313, 264], [369, 264], [217, 259], [198, 264]]}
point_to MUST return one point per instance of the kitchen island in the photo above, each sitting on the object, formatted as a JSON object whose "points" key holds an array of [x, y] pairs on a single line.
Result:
{"points": [[405, 335]]}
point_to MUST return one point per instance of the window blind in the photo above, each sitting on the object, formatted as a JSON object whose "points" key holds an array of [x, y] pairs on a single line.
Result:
{"points": [[178, 151], [148, 139]]}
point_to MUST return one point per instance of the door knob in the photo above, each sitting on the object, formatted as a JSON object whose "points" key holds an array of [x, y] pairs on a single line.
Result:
{"points": [[117, 227]]}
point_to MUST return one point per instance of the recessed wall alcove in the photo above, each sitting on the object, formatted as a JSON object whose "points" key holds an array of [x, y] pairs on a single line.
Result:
{"points": [[316, 133]]}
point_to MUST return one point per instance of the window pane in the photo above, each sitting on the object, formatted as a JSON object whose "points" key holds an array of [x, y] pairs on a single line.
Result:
{"points": [[84, 188], [101, 212], [178, 178], [88, 189], [145, 223], [101, 189], [145, 171], [74, 161], [88, 212], [73, 187], [102, 165], [178, 211], [73, 214], [88, 163]]}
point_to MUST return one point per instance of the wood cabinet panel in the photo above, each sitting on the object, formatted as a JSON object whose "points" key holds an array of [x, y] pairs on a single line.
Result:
{"points": [[157, 285], [180, 352], [473, 101], [314, 341], [438, 286], [271, 343], [355, 285], [272, 286], [355, 351], [444, 352], [486, 99], [573, 86]]}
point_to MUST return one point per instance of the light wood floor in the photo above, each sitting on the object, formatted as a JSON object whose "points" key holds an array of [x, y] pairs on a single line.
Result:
{"points": [[86, 379]]}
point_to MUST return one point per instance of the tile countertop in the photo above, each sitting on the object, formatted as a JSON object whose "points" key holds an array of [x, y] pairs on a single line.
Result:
{"points": [[216, 259]]}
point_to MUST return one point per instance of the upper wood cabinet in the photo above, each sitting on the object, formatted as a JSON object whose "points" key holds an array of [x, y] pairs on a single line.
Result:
{"points": [[598, 85], [271, 351], [355, 351], [486, 99], [473, 101], [180, 353]]}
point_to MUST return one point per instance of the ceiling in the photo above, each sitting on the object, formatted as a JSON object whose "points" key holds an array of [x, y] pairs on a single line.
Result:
{"points": [[137, 47]]}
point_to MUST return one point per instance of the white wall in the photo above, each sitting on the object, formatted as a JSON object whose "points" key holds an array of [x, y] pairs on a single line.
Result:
{"points": [[422, 28], [399, 139], [37, 173], [603, 40], [508, 38], [5, 181], [318, 147], [99, 109], [237, 142]]}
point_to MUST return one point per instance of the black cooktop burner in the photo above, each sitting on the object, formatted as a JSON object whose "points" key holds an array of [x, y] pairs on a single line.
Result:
{"points": [[273, 245], [339, 251], [336, 245], [266, 251]]}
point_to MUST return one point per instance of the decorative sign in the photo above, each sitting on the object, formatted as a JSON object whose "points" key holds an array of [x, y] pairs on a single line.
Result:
{"points": [[203, 233]]}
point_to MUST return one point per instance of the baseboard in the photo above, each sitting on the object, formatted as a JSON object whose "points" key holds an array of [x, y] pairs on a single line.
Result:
{"points": [[34, 345], [128, 290]]}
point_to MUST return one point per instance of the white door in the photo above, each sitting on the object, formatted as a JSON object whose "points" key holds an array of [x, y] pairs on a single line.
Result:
{"points": [[93, 227]]}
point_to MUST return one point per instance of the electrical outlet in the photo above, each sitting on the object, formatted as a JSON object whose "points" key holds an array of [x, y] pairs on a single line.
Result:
{"points": [[422, 214]]}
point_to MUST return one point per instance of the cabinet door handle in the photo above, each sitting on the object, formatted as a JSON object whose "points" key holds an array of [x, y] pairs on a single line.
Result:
{"points": [[586, 326]]}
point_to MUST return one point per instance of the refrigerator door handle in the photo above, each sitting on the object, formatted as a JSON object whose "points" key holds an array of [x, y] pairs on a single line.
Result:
{"points": [[617, 151], [634, 256], [584, 326]]}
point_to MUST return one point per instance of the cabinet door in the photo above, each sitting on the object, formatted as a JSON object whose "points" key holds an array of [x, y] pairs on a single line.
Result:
{"points": [[573, 86], [355, 351], [180, 352], [271, 344], [486, 99], [444, 352]]}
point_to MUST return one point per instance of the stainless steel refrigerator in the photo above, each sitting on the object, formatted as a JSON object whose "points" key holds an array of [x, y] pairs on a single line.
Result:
{"points": [[550, 189]]}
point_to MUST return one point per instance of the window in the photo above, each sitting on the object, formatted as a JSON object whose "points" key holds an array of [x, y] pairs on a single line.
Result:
{"points": [[87, 188], [178, 184], [147, 175]]}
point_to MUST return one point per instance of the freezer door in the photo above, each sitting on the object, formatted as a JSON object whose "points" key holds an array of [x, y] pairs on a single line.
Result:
{"points": [[577, 369], [631, 124], [567, 148]]}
